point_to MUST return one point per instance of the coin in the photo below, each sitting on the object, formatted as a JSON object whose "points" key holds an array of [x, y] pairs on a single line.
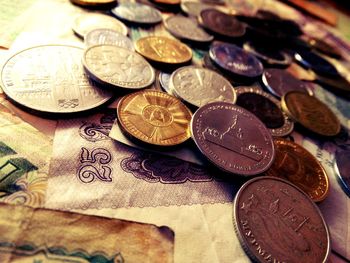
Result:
{"points": [[339, 84], [269, 55], [116, 66], [94, 3], [266, 108], [232, 138], [277, 222], [163, 50], [220, 23], [298, 166], [108, 37], [192, 8], [137, 13], [235, 60], [187, 29], [155, 117], [342, 167], [279, 82], [199, 86], [51, 79], [311, 113], [324, 47], [164, 79], [167, 2]]}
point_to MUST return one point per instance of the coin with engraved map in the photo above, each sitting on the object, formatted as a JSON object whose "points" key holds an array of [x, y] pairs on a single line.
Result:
{"points": [[311, 113], [154, 117], [277, 222], [51, 79], [187, 29], [298, 166], [199, 86], [232, 138], [119, 67], [104, 36], [85, 23], [163, 50]]}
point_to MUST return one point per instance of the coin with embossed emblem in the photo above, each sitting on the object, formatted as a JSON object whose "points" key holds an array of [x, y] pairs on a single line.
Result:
{"points": [[277, 222], [295, 164], [232, 138], [51, 79], [90, 21], [222, 24], [163, 50], [311, 113], [267, 108], [116, 66], [235, 60], [187, 29], [108, 37], [137, 13], [154, 117], [199, 86]]}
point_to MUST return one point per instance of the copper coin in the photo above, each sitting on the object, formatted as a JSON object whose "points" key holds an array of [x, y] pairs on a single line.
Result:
{"points": [[155, 117], [232, 138], [51, 79], [311, 113], [342, 166], [295, 164], [279, 82], [266, 108], [235, 60], [220, 23], [277, 222], [94, 3]]}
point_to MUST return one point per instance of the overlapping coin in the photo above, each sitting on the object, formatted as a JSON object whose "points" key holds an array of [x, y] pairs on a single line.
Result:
{"points": [[51, 79], [199, 86], [311, 113], [163, 50], [164, 79], [232, 138], [266, 108], [107, 37], [154, 117], [277, 222], [295, 164]]}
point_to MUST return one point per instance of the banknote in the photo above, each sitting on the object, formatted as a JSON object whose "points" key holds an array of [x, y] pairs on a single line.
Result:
{"points": [[30, 235]]}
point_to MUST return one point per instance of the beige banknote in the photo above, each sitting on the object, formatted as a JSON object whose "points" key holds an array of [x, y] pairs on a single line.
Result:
{"points": [[42, 235]]}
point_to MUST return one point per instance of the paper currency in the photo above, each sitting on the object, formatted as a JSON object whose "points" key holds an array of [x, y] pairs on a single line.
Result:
{"points": [[30, 235]]}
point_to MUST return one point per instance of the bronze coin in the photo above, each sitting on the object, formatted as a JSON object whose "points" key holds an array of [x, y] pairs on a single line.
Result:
{"points": [[295, 164], [232, 138], [277, 222], [311, 113], [220, 23]]}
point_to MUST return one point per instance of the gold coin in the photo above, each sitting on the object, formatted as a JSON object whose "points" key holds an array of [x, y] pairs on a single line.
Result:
{"points": [[311, 113], [295, 164], [163, 49], [154, 117], [94, 2]]}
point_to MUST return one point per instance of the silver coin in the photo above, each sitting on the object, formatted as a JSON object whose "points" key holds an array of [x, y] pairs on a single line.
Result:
{"points": [[164, 79], [137, 13], [200, 86], [116, 66], [186, 28], [90, 21], [104, 36], [51, 79], [192, 8]]}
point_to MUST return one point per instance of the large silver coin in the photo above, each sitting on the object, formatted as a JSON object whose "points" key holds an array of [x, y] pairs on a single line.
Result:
{"points": [[200, 86], [185, 28], [103, 36], [118, 67], [90, 21], [137, 13], [51, 79]]}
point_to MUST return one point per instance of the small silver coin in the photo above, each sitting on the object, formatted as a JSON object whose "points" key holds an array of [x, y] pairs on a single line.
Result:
{"points": [[186, 28], [164, 79], [200, 86], [51, 79], [192, 8], [137, 13], [118, 67], [104, 36]]}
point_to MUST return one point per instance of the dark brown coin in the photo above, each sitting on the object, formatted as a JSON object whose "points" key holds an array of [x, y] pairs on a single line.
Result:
{"points": [[325, 48], [342, 167], [222, 24], [279, 82], [232, 138], [277, 222]]}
